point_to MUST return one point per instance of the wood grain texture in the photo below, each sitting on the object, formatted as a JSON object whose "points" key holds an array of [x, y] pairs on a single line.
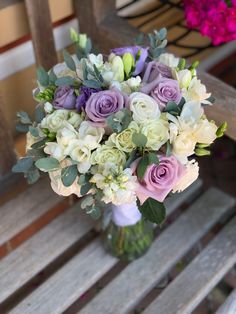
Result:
{"points": [[127, 289], [41, 30], [39, 251], [229, 306], [184, 294], [7, 154], [80, 273], [27, 207]]}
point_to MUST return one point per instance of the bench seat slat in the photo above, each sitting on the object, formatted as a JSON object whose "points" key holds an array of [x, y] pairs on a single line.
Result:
{"points": [[74, 283], [26, 208], [36, 253], [229, 306], [184, 294], [138, 278]]}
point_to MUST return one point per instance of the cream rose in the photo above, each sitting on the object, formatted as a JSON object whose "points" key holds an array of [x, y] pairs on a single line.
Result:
{"points": [[144, 107], [157, 133], [191, 174], [106, 153], [74, 119], [55, 120], [205, 132], [91, 135], [184, 144]]}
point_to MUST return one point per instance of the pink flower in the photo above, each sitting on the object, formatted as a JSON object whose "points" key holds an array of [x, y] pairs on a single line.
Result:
{"points": [[160, 179]]}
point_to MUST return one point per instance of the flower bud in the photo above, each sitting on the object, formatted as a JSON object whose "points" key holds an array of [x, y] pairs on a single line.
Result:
{"points": [[221, 129], [202, 152], [118, 68], [128, 61], [48, 107]]}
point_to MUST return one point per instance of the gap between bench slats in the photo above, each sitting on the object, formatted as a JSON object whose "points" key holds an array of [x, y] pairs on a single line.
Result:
{"points": [[39, 251], [229, 306], [74, 278], [184, 294], [26, 208]]}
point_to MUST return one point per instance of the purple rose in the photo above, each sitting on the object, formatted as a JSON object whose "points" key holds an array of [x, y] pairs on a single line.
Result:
{"points": [[160, 179], [85, 93], [163, 90], [140, 55], [64, 97], [154, 70], [102, 104]]}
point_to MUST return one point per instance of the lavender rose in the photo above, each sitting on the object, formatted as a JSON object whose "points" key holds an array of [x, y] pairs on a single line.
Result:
{"points": [[64, 97], [154, 70], [163, 90], [160, 179], [85, 93], [140, 55], [102, 104]]}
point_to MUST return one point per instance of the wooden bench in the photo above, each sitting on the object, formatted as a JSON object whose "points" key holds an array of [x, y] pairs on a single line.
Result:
{"points": [[61, 266]]}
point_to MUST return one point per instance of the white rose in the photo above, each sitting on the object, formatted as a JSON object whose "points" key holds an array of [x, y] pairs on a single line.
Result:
{"points": [[184, 144], [184, 77], [55, 120], [144, 107], [157, 133], [191, 174], [57, 185], [55, 150], [48, 107], [205, 132], [106, 153], [74, 119], [91, 135], [169, 59], [196, 91]]}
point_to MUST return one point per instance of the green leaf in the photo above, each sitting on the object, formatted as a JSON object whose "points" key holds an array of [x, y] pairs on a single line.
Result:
{"points": [[69, 174], [69, 60], [22, 128], [168, 149], [66, 80], [92, 84], [23, 164], [24, 118], [36, 154], [131, 158], [139, 39], [98, 74], [162, 33], [52, 77], [85, 188], [32, 175], [153, 210], [142, 166], [87, 201], [94, 212], [88, 46], [84, 178], [47, 164], [153, 159], [42, 77], [139, 139], [39, 113], [39, 144], [172, 107], [33, 131]]}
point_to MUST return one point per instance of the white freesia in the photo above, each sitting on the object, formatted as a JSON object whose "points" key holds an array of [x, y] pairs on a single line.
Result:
{"points": [[157, 133], [192, 112], [55, 121], [169, 59], [196, 91], [80, 153], [205, 132], [117, 67], [55, 150], [144, 107], [48, 107], [57, 185], [91, 135], [65, 136], [184, 145], [191, 174], [96, 60], [184, 77]]}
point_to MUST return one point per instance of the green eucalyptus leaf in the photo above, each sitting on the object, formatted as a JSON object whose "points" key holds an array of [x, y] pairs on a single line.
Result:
{"points": [[162, 33], [94, 212], [47, 164], [153, 210], [33, 131], [168, 149], [23, 164], [85, 188], [23, 128], [142, 166], [87, 201], [36, 154], [39, 144], [92, 84], [88, 46], [39, 113], [42, 76], [66, 80], [24, 117], [32, 175], [69, 60], [139, 139], [68, 175], [52, 77], [153, 159]]}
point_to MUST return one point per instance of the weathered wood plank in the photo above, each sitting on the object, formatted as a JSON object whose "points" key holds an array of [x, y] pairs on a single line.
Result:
{"points": [[127, 289], [41, 31], [39, 251], [80, 273], [26, 208], [229, 307], [184, 294]]}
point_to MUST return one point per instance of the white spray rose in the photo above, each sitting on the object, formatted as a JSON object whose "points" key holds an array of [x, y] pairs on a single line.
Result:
{"points": [[55, 120], [107, 153], [157, 133], [196, 91], [65, 136], [169, 59], [144, 107], [191, 174], [91, 135], [205, 132], [74, 119]]}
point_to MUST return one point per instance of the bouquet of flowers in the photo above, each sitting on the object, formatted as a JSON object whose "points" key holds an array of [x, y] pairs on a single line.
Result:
{"points": [[119, 130], [214, 18]]}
